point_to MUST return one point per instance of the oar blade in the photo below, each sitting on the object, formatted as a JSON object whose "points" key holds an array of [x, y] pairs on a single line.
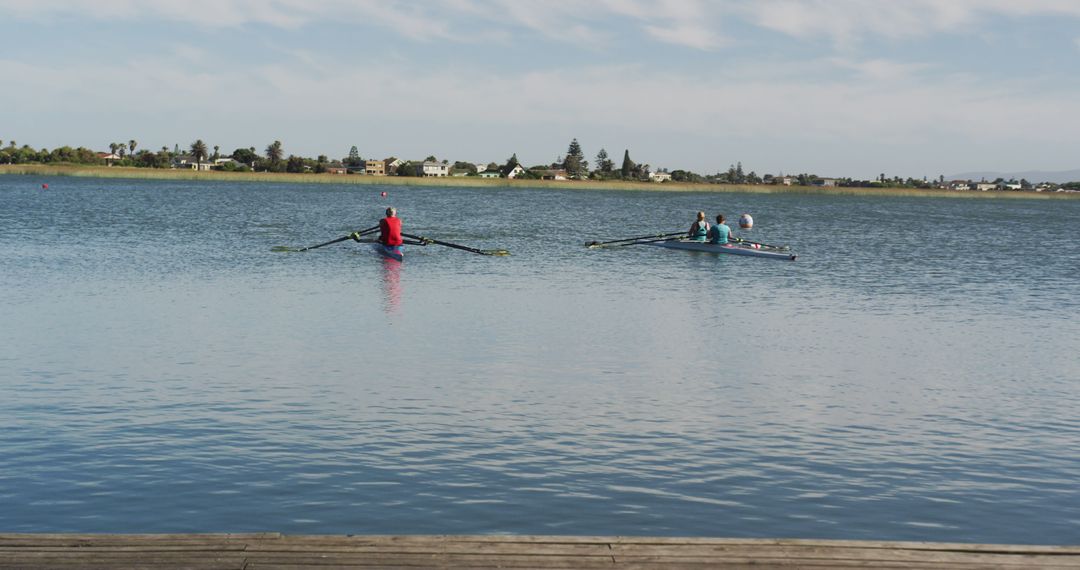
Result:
{"points": [[595, 244]]}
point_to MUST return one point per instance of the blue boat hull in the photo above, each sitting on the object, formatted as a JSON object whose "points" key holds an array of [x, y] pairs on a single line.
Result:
{"points": [[389, 251]]}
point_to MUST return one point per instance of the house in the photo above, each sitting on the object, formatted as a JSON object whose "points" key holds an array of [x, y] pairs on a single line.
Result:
{"points": [[985, 186], [432, 169], [825, 182], [962, 185], [551, 174], [108, 157], [490, 174], [1009, 186], [390, 165], [223, 162], [513, 172], [337, 170], [375, 167], [782, 180], [660, 176], [188, 162]]}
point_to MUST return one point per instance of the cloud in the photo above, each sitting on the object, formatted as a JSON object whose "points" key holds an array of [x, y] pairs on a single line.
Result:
{"points": [[846, 22], [889, 99], [693, 24]]}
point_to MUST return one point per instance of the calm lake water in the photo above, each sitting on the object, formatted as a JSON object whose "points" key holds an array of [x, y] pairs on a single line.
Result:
{"points": [[913, 376]]}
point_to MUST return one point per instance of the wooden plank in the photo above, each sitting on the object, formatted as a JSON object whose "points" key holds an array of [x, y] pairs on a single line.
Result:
{"points": [[315, 552], [627, 551]]}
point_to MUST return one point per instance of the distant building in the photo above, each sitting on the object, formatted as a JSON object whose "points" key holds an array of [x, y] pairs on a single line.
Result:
{"points": [[187, 162], [962, 185], [985, 186], [337, 170], [108, 157], [390, 165], [375, 167], [513, 172], [659, 176], [490, 174], [782, 180], [551, 174], [223, 162], [825, 182], [432, 169]]}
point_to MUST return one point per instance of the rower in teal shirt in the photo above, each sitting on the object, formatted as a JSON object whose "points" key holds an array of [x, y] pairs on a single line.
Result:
{"points": [[699, 230], [720, 233]]}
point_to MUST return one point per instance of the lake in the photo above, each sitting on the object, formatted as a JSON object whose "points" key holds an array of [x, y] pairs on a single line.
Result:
{"points": [[914, 375]]}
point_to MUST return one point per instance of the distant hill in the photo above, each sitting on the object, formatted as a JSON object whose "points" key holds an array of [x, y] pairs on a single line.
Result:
{"points": [[1033, 176]]}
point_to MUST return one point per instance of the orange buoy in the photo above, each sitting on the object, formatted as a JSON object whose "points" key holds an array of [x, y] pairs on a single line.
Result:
{"points": [[746, 222]]}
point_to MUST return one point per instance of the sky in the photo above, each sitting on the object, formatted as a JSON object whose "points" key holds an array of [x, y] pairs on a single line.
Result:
{"points": [[831, 87]]}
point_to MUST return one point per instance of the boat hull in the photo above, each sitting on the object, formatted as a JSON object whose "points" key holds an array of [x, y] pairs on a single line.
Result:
{"points": [[730, 249], [389, 251]]}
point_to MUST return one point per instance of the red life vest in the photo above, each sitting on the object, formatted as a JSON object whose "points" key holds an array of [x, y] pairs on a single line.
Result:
{"points": [[390, 231]]}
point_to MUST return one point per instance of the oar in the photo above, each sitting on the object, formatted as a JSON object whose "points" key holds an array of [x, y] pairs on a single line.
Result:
{"points": [[603, 243], [653, 240], [458, 246], [340, 239], [759, 244]]}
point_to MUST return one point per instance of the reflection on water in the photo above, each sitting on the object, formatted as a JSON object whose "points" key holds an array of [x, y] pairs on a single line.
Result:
{"points": [[902, 380], [391, 284]]}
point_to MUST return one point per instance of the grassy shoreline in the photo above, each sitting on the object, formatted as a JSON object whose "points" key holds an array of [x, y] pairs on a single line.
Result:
{"points": [[83, 171]]}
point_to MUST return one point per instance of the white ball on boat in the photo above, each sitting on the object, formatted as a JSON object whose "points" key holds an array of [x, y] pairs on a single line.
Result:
{"points": [[746, 222]]}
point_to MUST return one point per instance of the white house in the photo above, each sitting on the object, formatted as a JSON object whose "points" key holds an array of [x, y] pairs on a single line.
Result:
{"points": [[514, 172], [390, 165], [189, 163], [221, 162], [960, 185], [429, 168], [985, 186], [552, 174], [659, 176], [490, 174]]}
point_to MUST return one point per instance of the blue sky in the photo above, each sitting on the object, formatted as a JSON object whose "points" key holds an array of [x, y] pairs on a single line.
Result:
{"points": [[833, 87]]}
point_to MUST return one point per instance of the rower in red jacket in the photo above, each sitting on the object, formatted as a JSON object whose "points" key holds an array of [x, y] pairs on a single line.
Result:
{"points": [[390, 228]]}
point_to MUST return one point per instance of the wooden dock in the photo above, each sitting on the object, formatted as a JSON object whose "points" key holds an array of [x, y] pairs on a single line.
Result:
{"points": [[284, 552]]}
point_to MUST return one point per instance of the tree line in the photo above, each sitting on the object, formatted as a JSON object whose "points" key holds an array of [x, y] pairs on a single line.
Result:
{"points": [[573, 163]]}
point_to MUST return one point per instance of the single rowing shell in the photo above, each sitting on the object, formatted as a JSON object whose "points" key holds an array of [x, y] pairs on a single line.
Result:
{"points": [[389, 251], [730, 248]]}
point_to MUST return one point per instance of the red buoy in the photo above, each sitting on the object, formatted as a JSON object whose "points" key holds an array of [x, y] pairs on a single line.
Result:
{"points": [[44, 186], [383, 194]]}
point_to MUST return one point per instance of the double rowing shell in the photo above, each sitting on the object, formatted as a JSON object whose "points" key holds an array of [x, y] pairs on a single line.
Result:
{"points": [[389, 251], [733, 249]]}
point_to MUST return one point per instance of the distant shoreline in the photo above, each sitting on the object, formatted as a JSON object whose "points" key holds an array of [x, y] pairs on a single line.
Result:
{"points": [[82, 171]]}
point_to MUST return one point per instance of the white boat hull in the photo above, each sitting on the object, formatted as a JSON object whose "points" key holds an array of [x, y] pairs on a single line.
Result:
{"points": [[731, 249]]}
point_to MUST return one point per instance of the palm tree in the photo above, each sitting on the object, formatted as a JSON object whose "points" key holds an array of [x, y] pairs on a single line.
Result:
{"points": [[131, 145], [217, 154], [198, 150], [274, 152], [113, 147]]}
